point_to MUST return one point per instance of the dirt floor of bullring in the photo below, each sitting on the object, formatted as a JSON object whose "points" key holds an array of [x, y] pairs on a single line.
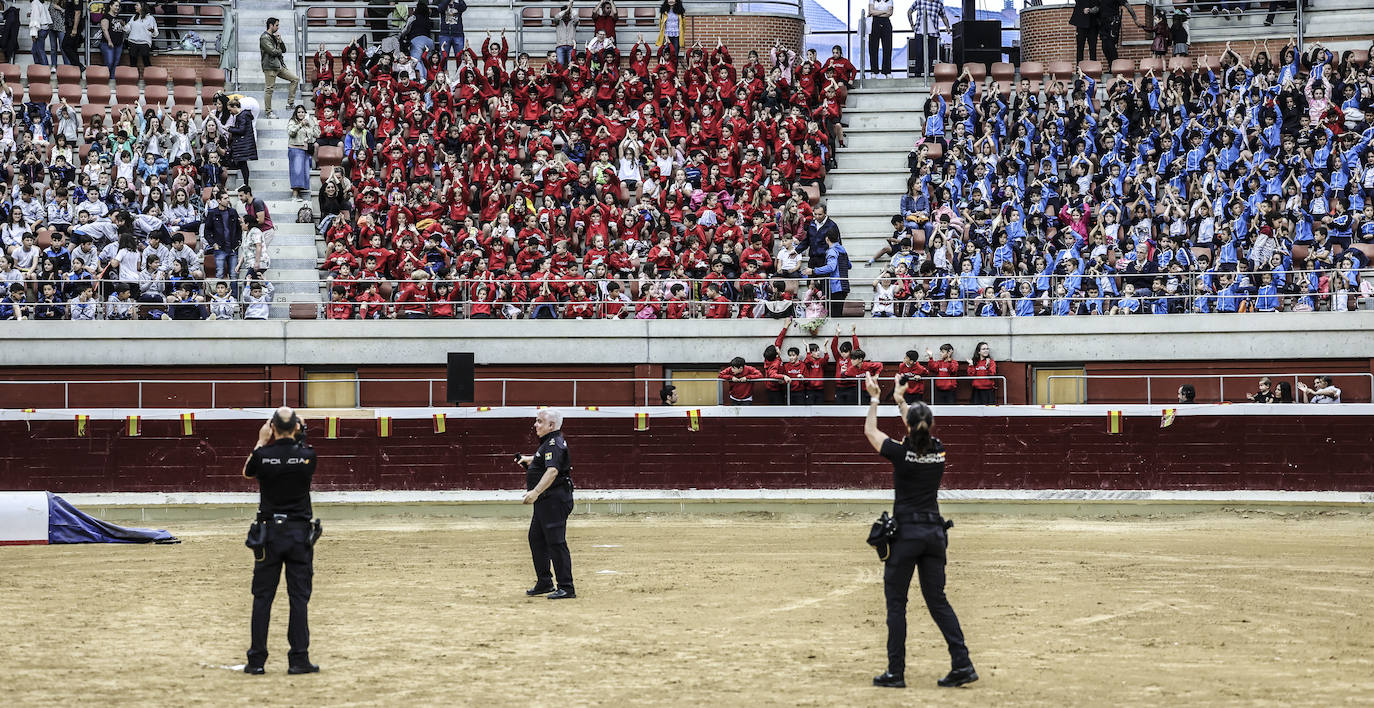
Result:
{"points": [[763, 609]]}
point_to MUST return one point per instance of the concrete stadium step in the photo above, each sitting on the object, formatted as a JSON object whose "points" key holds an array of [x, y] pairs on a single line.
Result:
{"points": [[879, 159], [885, 100], [886, 140], [846, 206], [882, 120], [293, 280], [866, 223], [845, 182]]}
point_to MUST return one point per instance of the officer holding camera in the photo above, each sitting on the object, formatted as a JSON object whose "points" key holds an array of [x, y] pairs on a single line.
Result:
{"points": [[283, 534], [548, 481]]}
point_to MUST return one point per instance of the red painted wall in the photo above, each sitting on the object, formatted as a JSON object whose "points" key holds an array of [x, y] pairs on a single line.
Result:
{"points": [[1014, 452]]}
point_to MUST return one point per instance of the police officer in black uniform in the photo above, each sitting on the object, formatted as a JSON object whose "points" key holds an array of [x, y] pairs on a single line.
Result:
{"points": [[918, 463], [548, 481], [283, 534]]}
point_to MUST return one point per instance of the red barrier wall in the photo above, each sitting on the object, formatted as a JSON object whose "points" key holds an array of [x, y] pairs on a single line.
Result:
{"points": [[1220, 452]]}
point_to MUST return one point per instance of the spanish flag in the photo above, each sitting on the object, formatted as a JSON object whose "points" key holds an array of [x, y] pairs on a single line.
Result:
{"points": [[1166, 418], [30, 410], [1114, 422], [440, 423], [83, 427], [331, 428], [694, 419], [384, 427], [1048, 407], [483, 409], [641, 422], [592, 408], [133, 425], [188, 423]]}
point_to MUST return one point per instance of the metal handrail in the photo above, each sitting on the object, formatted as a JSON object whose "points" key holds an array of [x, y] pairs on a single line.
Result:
{"points": [[1083, 380], [271, 385], [164, 42]]}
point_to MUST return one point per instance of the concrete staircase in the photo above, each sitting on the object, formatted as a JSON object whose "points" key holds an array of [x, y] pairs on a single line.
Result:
{"points": [[1328, 21], [293, 251], [863, 194]]}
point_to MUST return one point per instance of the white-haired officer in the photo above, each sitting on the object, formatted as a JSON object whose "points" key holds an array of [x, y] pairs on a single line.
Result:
{"points": [[283, 535], [918, 547], [548, 481]]}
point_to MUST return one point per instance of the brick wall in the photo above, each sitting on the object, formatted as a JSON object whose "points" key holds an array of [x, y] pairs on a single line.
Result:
{"points": [[742, 33], [1047, 36], [182, 61]]}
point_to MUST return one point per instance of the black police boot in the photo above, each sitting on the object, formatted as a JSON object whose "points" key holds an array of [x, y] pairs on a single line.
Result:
{"points": [[254, 670], [889, 680], [306, 668], [539, 589], [958, 677], [561, 594]]}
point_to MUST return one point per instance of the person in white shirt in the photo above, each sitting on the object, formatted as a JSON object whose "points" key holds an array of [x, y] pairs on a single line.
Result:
{"points": [[222, 303], [120, 306], [880, 33], [84, 306], [884, 290], [257, 301], [1322, 390]]}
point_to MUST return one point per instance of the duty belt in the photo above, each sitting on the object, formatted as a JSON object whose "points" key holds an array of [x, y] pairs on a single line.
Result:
{"points": [[921, 517], [282, 519]]}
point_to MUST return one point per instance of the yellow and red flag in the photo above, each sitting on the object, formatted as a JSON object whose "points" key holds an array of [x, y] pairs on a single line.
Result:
{"points": [[591, 408], [83, 426], [188, 423], [641, 422], [384, 427], [133, 425], [1114, 422], [440, 423], [483, 409], [694, 419], [331, 428], [1048, 407], [1166, 418]]}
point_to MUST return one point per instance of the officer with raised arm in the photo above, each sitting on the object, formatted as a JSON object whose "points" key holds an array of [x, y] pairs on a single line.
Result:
{"points": [[283, 534], [548, 481]]}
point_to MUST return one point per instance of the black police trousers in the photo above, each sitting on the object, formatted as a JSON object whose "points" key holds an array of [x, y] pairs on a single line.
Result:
{"points": [[288, 543], [549, 537], [919, 549]]}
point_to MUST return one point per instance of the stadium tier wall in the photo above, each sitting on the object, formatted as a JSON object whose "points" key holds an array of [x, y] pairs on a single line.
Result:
{"points": [[1313, 448]]}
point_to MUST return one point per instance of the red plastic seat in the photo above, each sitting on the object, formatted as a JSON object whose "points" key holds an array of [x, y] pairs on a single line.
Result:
{"points": [[155, 75], [98, 94], [97, 74], [212, 77], [1154, 64], [1123, 68], [1061, 70], [39, 73], [70, 92], [329, 155], [977, 71], [127, 95], [532, 16], [91, 110], [154, 95], [346, 16], [316, 16], [68, 74], [40, 92], [11, 73], [1091, 68], [184, 96], [946, 73], [1180, 63], [125, 75], [183, 76]]}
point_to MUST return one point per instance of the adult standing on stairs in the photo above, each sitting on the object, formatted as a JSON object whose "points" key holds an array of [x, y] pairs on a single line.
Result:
{"points": [[880, 32], [273, 49], [925, 17]]}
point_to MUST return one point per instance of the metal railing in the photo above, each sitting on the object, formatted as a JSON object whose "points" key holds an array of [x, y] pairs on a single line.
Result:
{"points": [[1082, 380], [170, 29], [293, 391]]}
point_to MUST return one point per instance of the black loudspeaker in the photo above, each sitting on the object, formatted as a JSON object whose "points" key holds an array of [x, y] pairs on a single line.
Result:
{"points": [[461, 372], [978, 41]]}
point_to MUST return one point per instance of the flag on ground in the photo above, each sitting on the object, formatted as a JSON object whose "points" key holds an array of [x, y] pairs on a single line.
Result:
{"points": [[1114, 422], [641, 422], [694, 419], [440, 423], [384, 427], [83, 427], [188, 423], [1166, 418]]}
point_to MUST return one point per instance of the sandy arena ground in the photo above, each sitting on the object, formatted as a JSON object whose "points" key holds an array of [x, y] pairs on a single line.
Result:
{"points": [[1220, 608]]}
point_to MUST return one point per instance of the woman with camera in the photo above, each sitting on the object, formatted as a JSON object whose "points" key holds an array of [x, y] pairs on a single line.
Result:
{"points": [[918, 544]]}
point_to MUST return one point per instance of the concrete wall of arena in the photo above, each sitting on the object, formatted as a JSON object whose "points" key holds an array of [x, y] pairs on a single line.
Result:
{"points": [[1047, 36], [1250, 337], [1220, 450]]}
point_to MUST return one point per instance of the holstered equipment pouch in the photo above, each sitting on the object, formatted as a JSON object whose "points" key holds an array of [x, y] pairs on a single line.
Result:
{"points": [[880, 535]]}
